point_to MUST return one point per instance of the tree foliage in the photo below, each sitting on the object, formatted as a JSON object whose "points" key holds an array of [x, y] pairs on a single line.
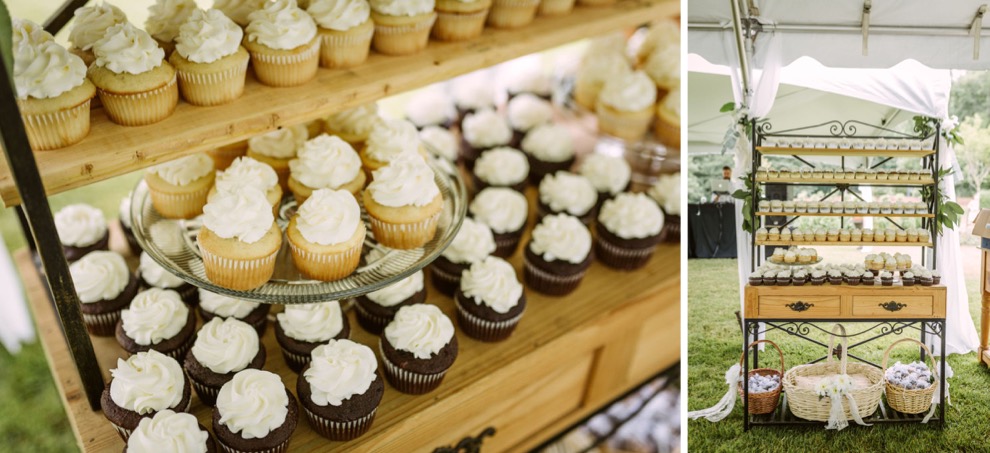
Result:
{"points": [[974, 155], [970, 96]]}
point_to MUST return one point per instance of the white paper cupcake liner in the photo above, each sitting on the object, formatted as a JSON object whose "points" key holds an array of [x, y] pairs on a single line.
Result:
{"points": [[452, 26], [179, 205], [57, 129], [407, 381], [401, 29], [329, 267], [139, 109], [340, 431], [347, 40], [403, 39], [225, 271], [485, 330], [124, 433], [288, 59], [404, 235], [213, 88], [555, 7], [287, 70]]}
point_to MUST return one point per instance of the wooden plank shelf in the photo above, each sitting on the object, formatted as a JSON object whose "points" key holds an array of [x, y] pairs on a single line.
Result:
{"points": [[111, 150], [845, 243], [839, 152], [832, 214], [850, 182], [568, 357]]}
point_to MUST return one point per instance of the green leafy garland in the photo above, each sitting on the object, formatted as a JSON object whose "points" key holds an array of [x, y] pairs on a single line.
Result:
{"points": [[749, 196], [947, 213], [925, 126]]}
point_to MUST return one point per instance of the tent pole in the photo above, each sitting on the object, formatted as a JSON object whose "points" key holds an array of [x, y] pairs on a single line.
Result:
{"points": [[741, 50], [851, 29]]}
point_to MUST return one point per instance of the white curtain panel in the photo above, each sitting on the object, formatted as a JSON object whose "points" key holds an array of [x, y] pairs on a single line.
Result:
{"points": [[15, 322]]}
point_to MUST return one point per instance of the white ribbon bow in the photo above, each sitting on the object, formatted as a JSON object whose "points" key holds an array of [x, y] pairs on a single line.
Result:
{"points": [[728, 401]]}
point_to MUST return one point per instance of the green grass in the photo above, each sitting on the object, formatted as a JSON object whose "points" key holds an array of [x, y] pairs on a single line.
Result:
{"points": [[714, 338]]}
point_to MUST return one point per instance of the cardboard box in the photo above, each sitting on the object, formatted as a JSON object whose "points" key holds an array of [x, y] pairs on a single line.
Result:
{"points": [[981, 228]]}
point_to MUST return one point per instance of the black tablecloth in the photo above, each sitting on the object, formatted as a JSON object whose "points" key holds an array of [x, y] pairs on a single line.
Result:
{"points": [[711, 230]]}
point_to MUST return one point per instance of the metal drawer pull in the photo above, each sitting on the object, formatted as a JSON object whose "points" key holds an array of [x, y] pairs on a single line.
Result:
{"points": [[892, 306], [799, 306], [468, 444]]}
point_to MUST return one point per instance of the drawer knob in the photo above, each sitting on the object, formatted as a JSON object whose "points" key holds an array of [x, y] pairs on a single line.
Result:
{"points": [[892, 306], [799, 306], [468, 444]]}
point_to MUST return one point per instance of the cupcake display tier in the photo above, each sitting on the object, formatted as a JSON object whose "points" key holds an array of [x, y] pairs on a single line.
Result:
{"points": [[849, 243], [791, 151], [849, 182], [833, 214]]}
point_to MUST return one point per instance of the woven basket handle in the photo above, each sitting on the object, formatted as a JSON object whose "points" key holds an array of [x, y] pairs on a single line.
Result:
{"points": [[742, 357], [844, 342], [928, 352]]}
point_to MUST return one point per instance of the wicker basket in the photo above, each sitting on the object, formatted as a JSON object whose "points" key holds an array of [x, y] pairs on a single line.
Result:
{"points": [[910, 401], [805, 403], [766, 402]]}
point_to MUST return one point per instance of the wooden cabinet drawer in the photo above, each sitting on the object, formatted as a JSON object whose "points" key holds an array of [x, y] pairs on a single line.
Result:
{"points": [[893, 306], [799, 306]]}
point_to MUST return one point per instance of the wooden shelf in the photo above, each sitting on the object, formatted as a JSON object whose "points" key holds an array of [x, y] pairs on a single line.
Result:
{"points": [[111, 150], [777, 151], [832, 214], [851, 182], [568, 357], [847, 243]]}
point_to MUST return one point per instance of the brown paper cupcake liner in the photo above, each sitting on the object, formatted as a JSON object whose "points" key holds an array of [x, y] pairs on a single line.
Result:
{"points": [[138, 109], [485, 330], [295, 361], [403, 39], [57, 129], [213, 88], [512, 13], [622, 258], [207, 394], [345, 51], [458, 26], [444, 281], [179, 354], [238, 274], [103, 324], [622, 126], [179, 206], [326, 267], [407, 381], [124, 433], [549, 284], [671, 228], [556, 7], [340, 431], [287, 70], [405, 236], [280, 448], [371, 322], [505, 248]]}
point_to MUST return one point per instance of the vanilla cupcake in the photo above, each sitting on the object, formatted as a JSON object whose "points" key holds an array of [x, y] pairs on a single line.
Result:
{"points": [[459, 20], [512, 13], [90, 23], [402, 27], [404, 203], [440, 143], [595, 70], [555, 7], [354, 125], [180, 188], [303, 327], [389, 139], [501, 167], [549, 149], [664, 68], [568, 193], [104, 286], [81, 229], [164, 20], [326, 235], [277, 148], [284, 46], [170, 431], [53, 93], [525, 112], [141, 386], [239, 240], [625, 106], [135, 84], [431, 107], [667, 127], [247, 172], [474, 241], [325, 162], [345, 29], [157, 319], [209, 59]]}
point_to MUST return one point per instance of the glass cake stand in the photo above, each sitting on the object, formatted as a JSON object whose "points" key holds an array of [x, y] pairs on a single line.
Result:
{"points": [[172, 243]]}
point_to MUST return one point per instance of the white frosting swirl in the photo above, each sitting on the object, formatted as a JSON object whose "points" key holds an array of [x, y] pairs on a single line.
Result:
{"points": [[431, 107], [92, 22], [340, 370], [526, 75], [124, 211], [154, 315], [208, 36], [253, 403], [184, 170], [629, 92], [486, 129], [99, 276], [28, 34], [329, 217], [147, 382], [474, 92], [80, 225], [561, 237], [502, 166], [564, 191], [359, 120], [225, 345], [667, 192], [281, 143], [166, 16], [549, 143], [440, 142], [406, 181], [421, 329], [325, 162], [391, 138], [608, 174], [245, 215], [492, 282], [126, 48], [176, 432], [472, 243], [225, 307], [339, 14], [281, 25], [156, 275], [44, 70], [313, 323], [246, 172], [527, 111], [631, 216], [664, 65], [503, 210], [402, 7], [598, 67], [397, 292], [238, 10]]}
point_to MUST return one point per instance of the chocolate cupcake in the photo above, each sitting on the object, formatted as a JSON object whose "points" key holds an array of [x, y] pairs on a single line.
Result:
{"points": [[417, 348], [222, 348], [549, 149], [557, 256], [440, 143], [525, 112], [81, 229], [255, 413], [141, 386], [377, 308], [853, 278], [800, 278], [124, 219], [481, 131], [301, 328], [105, 287], [609, 175], [472, 93], [567, 193], [886, 278], [154, 275], [212, 305], [925, 279], [501, 167], [505, 211], [834, 277], [756, 278], [667, 193], [340, 389], [473, 242], [431, 108], [170, 431], [157, 319], [490, 301], [936, 277], [907, 279], [628, 231], [818, 277], [524, 76]]}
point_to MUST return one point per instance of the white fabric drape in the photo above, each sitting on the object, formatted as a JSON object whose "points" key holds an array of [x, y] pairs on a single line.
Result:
{"points": [[15, 323]]}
